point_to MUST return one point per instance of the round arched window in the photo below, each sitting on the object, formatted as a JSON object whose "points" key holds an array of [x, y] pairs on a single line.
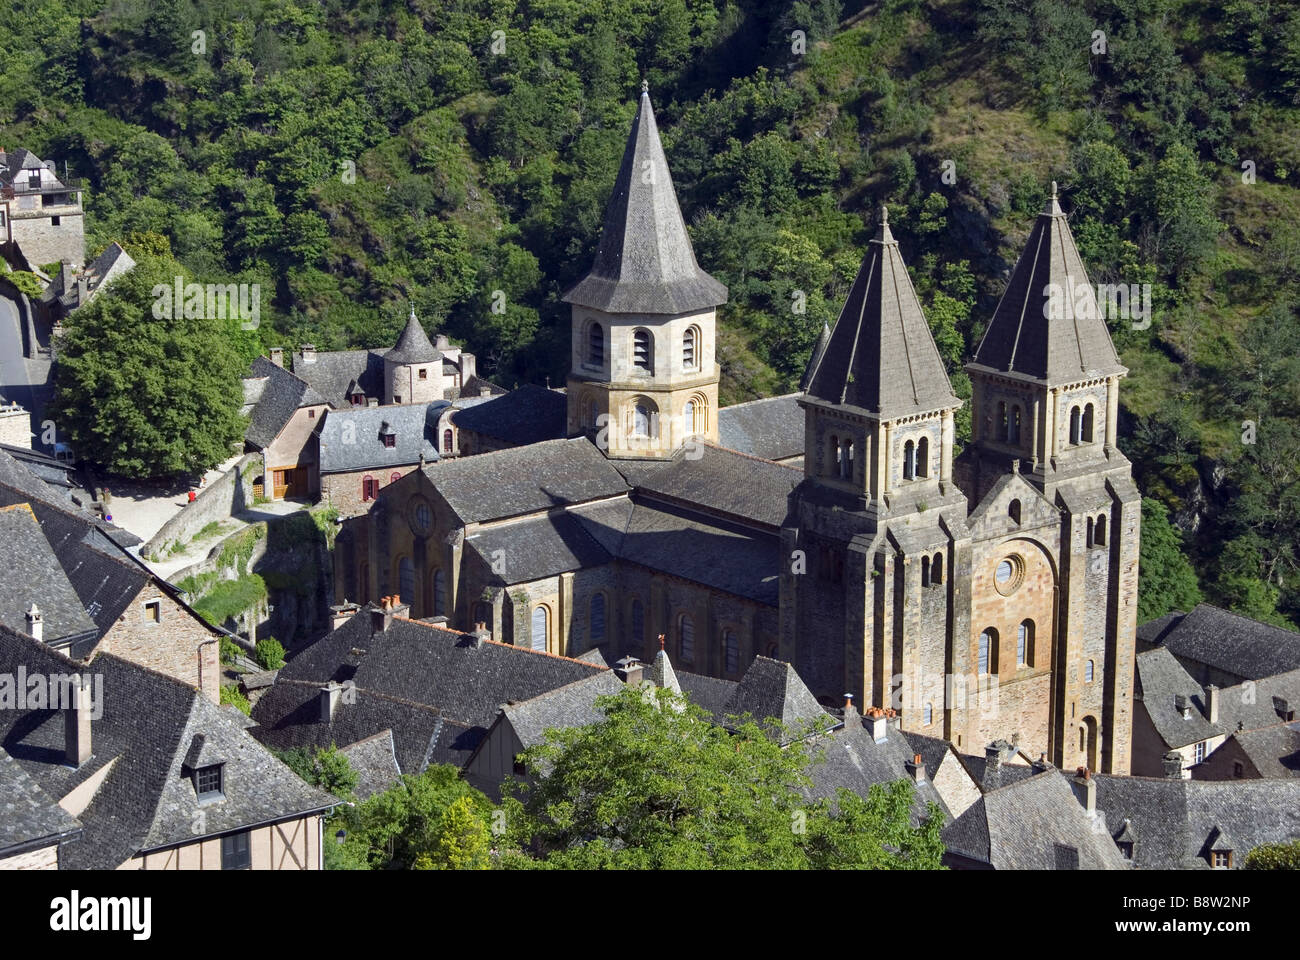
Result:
{"points": [[1008, 575]]}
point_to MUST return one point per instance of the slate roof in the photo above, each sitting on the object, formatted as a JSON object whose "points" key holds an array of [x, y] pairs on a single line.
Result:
{"points": [[28, 815], [711, 693], [280, 398], [149, 725], [1034, 824], [933, 750], [993, 776], [20, 159], [33, 575], [331, 373], [434, 688], [539, 547], [770, 689], [881, 357], [374, 760], [719, 483], [413, 345], [108, 266], [572, 705], [1176, 822], [529, 414], [644, 262], [350, 437], [1227, 641], [1160, 678], [519, 480], [770, 429], [1027, 337], [1274, 751]]}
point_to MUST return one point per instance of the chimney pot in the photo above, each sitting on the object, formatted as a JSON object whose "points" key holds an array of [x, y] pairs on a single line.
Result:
{"points": [[277, 356], [878, 724], [915, 769], [35, 623], [629, 670]]}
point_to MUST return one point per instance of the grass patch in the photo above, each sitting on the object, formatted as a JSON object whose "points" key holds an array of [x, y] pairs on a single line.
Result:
{"points": [[229, 598]]}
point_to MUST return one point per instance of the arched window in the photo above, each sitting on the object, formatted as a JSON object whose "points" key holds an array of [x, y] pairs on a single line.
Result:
{"points": [[1025, 643], [923, 457], [638, 623], [439, 593], [541, 628], [686, 638], [1013, 511], [988, 652], [925, 571], [688, 418], [1087, 672], [1013, 432], [643, 420], [1087, 424], [448, 442], [837, 456], [598, 619], [689, 341], [1101, 531], [730, 652], [1091, 524], [1002, 420], [596, 345], [927, 714], [394, 477], [909, 460], [406, 579], [936, 569], [1075, 425], [847, 460], [643, 351]]}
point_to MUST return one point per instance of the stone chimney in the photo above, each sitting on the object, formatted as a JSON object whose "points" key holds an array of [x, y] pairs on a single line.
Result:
{"points": [[389, 607], [1041, 765], [915, 769], [341, 613], [480, 634], [76, 724], [372, 401], [484, 390], [850, 712], [996, 752], [440, 341], [35, 623], [330, 695], [877, 724], [1085, 790], [277, 356], [1212, 703], [1183, 704], [1173, 764], [83, 287], [468, 367], [629, 670], [308, 353]]}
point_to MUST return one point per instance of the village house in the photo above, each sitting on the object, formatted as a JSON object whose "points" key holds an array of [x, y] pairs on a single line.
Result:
{"points": [[41, 218]]}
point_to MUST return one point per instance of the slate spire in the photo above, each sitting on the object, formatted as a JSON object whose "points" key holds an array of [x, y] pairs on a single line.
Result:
{"points": [[413, 345], [644, 262], [1048, 325], [880, 356]]}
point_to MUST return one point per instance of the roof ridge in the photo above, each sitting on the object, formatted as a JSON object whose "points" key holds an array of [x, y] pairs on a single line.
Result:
{"points": [[747, 456], [377, 694], [508, 646]]}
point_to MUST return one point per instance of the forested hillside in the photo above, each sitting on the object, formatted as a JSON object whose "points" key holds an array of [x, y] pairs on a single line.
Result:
{"points": [[483, 160]]}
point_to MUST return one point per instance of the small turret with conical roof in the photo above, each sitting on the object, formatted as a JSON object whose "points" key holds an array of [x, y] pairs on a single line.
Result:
{"points": [[643, 379], [413, 368]]}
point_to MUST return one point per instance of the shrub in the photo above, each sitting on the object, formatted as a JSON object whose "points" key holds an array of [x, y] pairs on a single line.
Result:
{"points": [[270, 653], [229, 650], [1274, 856], [232, 695]]}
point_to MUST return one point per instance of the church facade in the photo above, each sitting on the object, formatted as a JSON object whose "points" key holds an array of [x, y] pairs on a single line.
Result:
{"points": [[985, 596]]}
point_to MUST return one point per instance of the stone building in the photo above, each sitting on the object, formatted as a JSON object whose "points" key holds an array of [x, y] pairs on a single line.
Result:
{"points": [[985, 597], [40, 214]]}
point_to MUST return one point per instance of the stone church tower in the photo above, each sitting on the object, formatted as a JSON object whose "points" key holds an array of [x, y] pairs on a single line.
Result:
{"points": [[643, 371], [993, 597], [413, 368]]}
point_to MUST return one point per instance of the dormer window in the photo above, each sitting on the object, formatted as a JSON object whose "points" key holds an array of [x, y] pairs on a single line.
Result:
{"points": [[358, 399], [1221, 859], [390, 440], [208, 782], [1125, 849]]}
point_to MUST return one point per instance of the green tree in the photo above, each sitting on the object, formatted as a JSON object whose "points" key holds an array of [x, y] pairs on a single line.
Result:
{"points": [[324, 767], [657, 785], [1274, 856], [1166, 579], [147, 396]]}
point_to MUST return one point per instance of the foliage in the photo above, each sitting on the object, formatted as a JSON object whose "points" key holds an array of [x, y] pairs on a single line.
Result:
{"points": [[233, 695], [231, 598], [1274, 856], [324, 767], [230, 650], [657, 785], [431, 820], [1166, 580], [270, 653], [27, 283]]}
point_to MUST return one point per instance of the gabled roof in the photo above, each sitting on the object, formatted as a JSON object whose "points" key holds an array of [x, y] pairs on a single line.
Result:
{"points": [[519, 480], [374, 760], [572, 705], [1047, 325], [538, 547], [771, 428], [350, 437], [645, 262], [28, 815], [1161, 678], [148, 725], [529, 414], [413, 345], [282, 396], [1034, 824], [770, 689], [33, 575], [881, 357], [1228, 642], [1273, 751], [334, 373]]}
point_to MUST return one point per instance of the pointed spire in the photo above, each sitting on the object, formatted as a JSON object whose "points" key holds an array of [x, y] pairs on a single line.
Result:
{"points": [[880, 356], [1048, 325], [645, 262], [413, 345], [819, 348], [661, 673]]}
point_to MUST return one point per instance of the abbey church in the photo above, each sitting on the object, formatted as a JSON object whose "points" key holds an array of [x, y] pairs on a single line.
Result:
{"points": [[986, 596]]}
